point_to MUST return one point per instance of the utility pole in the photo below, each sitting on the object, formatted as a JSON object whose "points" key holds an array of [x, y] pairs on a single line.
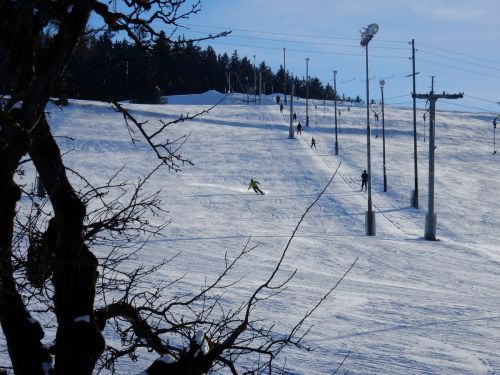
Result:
{"points": [[290, 129], [431, 216], [260, 85], [307, 91], [247, 87], [414, 195], [254, 82], [335, 101], [495, 135], [382, 83], [366, 35], [370, 214], [126, 73], [284, 72]]}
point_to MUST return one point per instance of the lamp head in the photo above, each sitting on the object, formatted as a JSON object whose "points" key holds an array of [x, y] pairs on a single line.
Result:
{"points": [[382, 83], [368, 33]]}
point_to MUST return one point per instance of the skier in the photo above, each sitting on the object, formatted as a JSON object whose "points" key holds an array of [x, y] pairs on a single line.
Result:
{"points": [[281, 107], [254, 184], [313, 143], [364, 180], [278, 99], [294, 116], [299, 129]]}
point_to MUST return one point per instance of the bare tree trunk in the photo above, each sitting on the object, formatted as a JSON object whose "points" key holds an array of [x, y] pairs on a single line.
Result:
{"points": [[22, 333], [79, 342]]}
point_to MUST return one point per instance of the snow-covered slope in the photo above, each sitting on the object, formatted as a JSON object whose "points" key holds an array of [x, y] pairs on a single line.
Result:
{"points": [[409, 306]]}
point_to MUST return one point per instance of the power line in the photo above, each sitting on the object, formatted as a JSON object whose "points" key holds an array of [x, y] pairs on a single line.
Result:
{"points": [[462, 69], [303, 51], [299, 41], [468, 106], [298, 50], [354, 54], [484, 100], [408, 102], [459, 60], [460, 53], [289, 34], [395, 97]]}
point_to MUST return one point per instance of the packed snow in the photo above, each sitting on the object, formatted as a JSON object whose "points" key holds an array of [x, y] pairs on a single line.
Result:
{"points": [[409, 306]]}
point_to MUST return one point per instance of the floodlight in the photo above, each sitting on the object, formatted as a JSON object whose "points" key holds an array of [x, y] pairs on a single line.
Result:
{"points": [[367, 33], [372, 29]]}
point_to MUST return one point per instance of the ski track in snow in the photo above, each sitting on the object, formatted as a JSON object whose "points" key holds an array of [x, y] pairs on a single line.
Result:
{"points": [[409, 306]]}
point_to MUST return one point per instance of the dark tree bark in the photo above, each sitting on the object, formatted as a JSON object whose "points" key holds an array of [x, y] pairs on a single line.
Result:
{"points": [[25, 130], [23, 335]]}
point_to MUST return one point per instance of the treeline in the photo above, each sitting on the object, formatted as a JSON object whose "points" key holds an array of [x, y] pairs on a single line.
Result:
{"points": [[104, 68]]}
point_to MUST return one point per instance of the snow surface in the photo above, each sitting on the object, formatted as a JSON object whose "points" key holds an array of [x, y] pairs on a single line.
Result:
{"points": [[167, 359], [409, 306]]}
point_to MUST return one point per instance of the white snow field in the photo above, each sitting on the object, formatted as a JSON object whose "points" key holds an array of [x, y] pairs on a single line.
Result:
{"points": [[409, 306]]}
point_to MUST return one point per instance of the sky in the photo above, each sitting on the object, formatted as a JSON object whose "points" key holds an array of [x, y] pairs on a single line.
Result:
{"points": [[456, 41]]}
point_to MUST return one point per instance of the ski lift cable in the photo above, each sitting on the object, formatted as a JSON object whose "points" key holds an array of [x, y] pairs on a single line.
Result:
{"points": [[239, 82]]}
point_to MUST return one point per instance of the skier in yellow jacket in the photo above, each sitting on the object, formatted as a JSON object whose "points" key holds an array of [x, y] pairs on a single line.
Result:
{"points": [[254, 184]]}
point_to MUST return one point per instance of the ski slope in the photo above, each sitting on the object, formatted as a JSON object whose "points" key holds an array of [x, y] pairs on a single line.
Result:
{"points": [[409, 306]]}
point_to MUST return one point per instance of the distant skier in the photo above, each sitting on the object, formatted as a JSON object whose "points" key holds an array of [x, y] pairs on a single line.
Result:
{"points": [[299, 129], [278, 99], [254, 184], [294, 116], [281, 107], [313, 143], [364, 180]]}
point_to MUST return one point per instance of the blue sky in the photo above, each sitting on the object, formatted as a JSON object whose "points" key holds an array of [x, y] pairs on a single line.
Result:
{"points": [[457, 42]]}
